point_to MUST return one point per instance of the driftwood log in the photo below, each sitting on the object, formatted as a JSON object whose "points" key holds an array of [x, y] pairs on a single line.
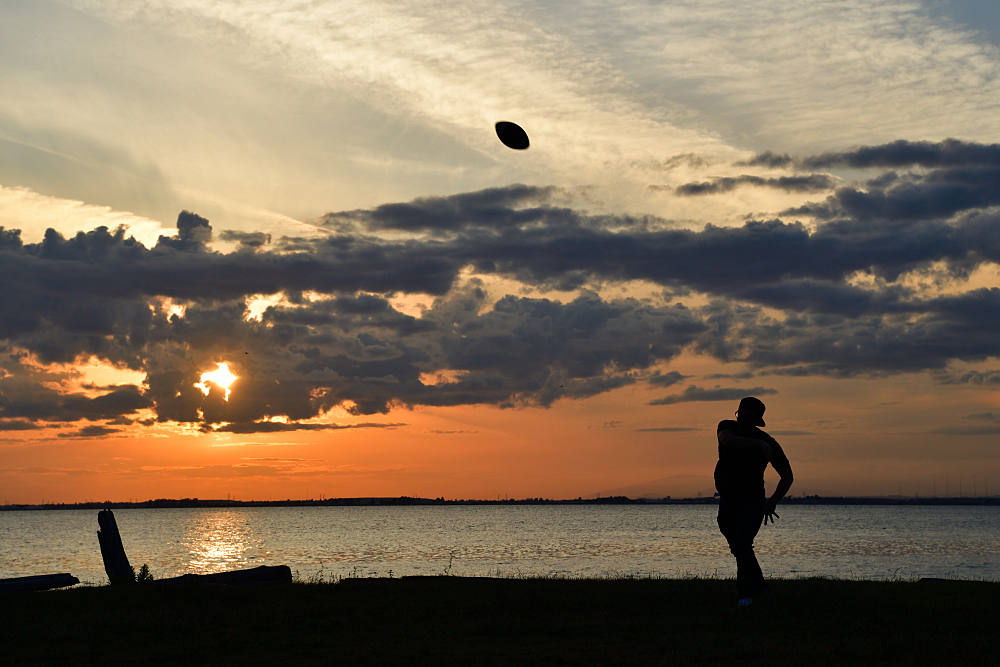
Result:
{"points": [[115, 561], [41, 582]]}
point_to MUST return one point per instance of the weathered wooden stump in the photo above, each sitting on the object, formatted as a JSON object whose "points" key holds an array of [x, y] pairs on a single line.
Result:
{"points": [[115, 561], [40, 582]]}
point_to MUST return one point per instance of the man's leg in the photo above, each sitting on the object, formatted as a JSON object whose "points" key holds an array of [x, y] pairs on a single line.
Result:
{"points": [[739, 524], [750, 578], [750, 516]]}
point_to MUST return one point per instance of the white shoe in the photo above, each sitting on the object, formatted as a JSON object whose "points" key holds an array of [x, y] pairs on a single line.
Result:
{"points": [[745, 602]]}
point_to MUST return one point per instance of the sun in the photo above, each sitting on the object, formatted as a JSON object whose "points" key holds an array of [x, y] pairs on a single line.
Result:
{"points": [[221, 376]]}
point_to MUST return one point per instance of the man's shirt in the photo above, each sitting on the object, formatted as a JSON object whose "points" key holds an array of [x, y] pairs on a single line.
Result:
{"points": [[739, 474]]}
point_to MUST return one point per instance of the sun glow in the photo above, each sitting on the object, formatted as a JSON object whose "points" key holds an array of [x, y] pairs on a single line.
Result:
{"points": [[221, 376]]}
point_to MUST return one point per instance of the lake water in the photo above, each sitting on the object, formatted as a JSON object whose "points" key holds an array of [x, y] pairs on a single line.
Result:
{"points": [[870, 542]]}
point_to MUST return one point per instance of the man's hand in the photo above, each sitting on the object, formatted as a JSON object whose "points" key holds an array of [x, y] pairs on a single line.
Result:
{"points": [[769, 513]]}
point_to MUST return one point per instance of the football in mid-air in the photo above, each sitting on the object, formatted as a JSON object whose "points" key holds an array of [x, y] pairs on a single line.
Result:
{"points": [[512, 135]]}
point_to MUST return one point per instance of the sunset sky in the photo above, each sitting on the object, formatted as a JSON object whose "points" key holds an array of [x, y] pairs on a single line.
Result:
{"points": [[793, 199]]}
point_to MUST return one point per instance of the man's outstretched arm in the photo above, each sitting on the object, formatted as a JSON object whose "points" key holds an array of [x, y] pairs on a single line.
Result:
{"points": [[785, 483], [729, 440]]}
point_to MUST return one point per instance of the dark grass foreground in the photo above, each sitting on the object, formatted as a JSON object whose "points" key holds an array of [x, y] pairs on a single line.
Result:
{"points": [[456, 621]]}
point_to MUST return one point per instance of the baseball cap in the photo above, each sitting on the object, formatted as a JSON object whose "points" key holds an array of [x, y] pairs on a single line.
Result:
{"points": [[754, 406]]}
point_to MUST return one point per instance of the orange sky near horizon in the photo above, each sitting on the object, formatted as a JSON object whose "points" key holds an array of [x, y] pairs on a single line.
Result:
{"points": [[843, 438]]}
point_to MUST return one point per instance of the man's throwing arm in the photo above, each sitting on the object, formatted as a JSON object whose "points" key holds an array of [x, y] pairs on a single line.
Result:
{"points": [[732, 442]]}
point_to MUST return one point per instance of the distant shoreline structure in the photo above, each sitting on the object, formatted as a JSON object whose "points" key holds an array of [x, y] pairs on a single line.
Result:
{"points": [[403, 501]]}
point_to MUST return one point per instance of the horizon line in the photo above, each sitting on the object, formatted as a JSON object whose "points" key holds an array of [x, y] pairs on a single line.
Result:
{"points": [[170, 503]]}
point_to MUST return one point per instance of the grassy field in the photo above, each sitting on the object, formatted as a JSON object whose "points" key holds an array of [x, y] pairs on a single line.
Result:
{"points": [[456, 621]]}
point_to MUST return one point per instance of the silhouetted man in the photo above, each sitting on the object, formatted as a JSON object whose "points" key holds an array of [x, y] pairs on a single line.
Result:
{"points": [[744, 452]]}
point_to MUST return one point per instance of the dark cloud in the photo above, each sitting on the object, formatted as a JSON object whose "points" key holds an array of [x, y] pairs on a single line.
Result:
{"points": [[962, 177], [494, 208], [193, 233], [17, 425], [745, 375], [280, 427], [806, 183], [875, 343], [247, 240], [768, 159], [349, 313], [303, 357], [91, 295], [938, 194], [697, 394], [667, 379], [970, 377], [950, 152], [27, 395], [775, 295], [93, 431], [781, 261]]}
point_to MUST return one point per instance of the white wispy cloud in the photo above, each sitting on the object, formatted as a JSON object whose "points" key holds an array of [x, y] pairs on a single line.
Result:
{"points": [[301, 107], [824, 73], [33, 213]]}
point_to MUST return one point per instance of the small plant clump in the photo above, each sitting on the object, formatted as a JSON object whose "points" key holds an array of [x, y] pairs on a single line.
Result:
{"points": [[143, 577]]}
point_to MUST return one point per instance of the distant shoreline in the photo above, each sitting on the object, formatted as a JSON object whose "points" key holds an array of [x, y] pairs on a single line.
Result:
{"points": [[166, 503]]}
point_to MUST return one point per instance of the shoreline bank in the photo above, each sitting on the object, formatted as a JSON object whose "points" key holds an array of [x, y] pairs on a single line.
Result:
{"points": [[451, 620]]}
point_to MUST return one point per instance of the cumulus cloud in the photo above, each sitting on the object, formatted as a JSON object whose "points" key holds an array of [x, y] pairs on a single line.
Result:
{"points": [[933, 196], [780, 297], [806, 183], [493, 208], [28, 396], [280, 427], [17, 425], [768, 159], [971, 377], [951, 177], [659, 379], [246, 240], [947, 153], [303, 356], [92, 431]]}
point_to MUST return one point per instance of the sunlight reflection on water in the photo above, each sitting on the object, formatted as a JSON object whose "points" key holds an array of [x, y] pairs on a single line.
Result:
{"points": [[578, 541], [219, 539]]}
